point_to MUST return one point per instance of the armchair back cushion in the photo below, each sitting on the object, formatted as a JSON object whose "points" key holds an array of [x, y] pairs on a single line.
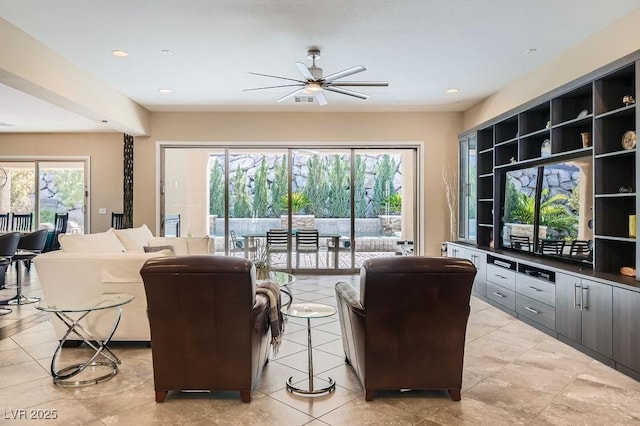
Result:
{"points": [[209, 330], [406, 327]]}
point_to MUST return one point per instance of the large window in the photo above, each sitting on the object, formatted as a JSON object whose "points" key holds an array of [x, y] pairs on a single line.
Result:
{"points": [[362, 203]]}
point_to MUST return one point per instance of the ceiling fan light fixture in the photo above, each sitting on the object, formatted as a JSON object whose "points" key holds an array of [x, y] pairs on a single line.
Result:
{"points": [[312, 88]]}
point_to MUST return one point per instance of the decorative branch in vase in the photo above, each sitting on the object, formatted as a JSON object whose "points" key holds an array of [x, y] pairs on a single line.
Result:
{"points": [[261, 261], [450, 180]]}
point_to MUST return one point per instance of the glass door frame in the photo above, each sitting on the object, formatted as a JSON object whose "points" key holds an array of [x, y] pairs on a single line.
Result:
{"points": [[36, 160], [352, 146]]}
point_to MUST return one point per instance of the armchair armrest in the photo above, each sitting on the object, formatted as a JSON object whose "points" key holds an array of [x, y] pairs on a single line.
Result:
{"points": [[352, 323]]}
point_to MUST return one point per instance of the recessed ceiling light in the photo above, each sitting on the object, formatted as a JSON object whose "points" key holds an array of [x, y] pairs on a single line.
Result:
{"points": [[165, 90], [119, 53], [453, 90], [166, 52], [530, 51]]}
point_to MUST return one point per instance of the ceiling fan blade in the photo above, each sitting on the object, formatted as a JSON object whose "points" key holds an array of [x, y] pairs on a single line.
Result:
{"points": [[304, 71], [347, 92], [275, 76], [290, 94], [360, 83], [345, 73], [320, 98], [273, 87]]}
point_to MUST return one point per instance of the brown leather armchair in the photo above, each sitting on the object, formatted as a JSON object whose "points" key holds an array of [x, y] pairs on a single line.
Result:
{"points": [[209, 329], [406, 327]]}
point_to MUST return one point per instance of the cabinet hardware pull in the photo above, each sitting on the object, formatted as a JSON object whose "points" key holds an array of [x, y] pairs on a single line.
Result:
{"points": [[498, 294], [531, 310], [584, 300], [534, 289], [575, 298], [501, 276]]}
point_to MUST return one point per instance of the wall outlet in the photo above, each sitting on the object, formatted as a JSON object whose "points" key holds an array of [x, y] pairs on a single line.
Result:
{"points": [[102, 210]]}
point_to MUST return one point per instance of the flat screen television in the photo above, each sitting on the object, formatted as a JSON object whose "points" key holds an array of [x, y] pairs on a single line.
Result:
{"points": [[547, 209]]}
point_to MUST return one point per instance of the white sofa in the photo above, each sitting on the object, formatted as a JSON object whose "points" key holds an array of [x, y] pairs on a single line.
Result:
{"points": [[87, 266]]}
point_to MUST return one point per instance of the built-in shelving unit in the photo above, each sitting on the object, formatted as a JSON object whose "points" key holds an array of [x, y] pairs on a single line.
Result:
{"points": [[588, 117]]}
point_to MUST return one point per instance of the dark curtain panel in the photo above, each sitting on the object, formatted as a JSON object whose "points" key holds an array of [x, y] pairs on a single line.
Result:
{"points": [[127, 193]]}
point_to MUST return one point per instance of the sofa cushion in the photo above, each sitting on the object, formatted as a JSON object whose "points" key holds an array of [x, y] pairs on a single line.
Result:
{"points": [[134, 239], [182, 245], [101, 242]]}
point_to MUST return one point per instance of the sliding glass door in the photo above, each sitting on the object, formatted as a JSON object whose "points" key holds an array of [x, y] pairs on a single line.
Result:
{"points": [[336, 207], [44, 188]]}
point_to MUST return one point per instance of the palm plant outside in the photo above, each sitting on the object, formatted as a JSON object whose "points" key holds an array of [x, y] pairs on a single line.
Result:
{"points": [[520, 208]]}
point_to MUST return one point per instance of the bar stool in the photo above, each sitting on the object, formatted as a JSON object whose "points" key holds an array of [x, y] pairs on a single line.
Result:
{"points": [[29, 246], [4, 262]]}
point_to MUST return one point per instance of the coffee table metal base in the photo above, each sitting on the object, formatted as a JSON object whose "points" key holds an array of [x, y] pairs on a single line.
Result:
{"points": [[65, 376]]}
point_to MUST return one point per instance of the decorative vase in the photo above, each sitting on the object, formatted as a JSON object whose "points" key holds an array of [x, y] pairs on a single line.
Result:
{"points": [[586, 139], [262, 273]]}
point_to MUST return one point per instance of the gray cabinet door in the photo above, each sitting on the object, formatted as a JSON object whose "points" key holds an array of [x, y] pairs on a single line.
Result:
{"points": [[597, 317], [568, 315], [479, 259], [626, 328]]}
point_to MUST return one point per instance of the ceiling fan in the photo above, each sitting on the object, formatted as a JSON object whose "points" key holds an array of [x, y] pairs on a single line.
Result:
{"points": [[315, 83]]}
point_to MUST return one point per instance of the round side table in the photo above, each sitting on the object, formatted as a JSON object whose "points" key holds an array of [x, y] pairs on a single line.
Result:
{"points": [[71, 317], [309, 311]]}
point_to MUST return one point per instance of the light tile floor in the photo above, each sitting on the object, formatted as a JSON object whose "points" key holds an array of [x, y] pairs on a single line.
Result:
{"points": [[514, 374]]}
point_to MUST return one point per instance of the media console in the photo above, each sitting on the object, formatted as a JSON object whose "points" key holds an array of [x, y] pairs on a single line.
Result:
{"points": [[587, 310]]}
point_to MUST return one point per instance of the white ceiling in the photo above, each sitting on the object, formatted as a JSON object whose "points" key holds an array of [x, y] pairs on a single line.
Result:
{"points": [[421, 47]]}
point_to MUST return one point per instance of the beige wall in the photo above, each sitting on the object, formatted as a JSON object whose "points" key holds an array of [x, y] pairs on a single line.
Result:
{"points": [[105, 151], [604, 47], [438, 131]]}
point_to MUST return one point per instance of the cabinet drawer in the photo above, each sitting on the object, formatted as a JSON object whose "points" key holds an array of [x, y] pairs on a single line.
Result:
{"points": [[501, 295], [540, 290], [536, 311], [501, 276]]}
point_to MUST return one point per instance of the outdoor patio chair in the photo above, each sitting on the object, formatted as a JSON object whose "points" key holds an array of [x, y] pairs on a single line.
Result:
{"points": [[307, 241], [580, 249], [520, 242], [551, 246], [277, 242]]}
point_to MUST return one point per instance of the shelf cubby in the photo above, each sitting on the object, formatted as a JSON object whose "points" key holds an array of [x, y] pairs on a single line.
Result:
{"points": [[535, 119], [567, 107], [611, 127], [485, 139], [506, 130], [485, 162], [485, 187], [611, 255], [504, 153], [613, 87], [612, 215], [530, 146], [569, 137], [485, 212], [615, 172]]}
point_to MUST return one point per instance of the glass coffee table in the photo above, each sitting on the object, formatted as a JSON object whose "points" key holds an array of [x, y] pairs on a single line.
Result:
{"points": [[102, 358], [284, 280], [309, 311]]}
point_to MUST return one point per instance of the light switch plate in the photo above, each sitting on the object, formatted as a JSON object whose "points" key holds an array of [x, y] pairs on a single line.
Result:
{"points": [[102, 210]]}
